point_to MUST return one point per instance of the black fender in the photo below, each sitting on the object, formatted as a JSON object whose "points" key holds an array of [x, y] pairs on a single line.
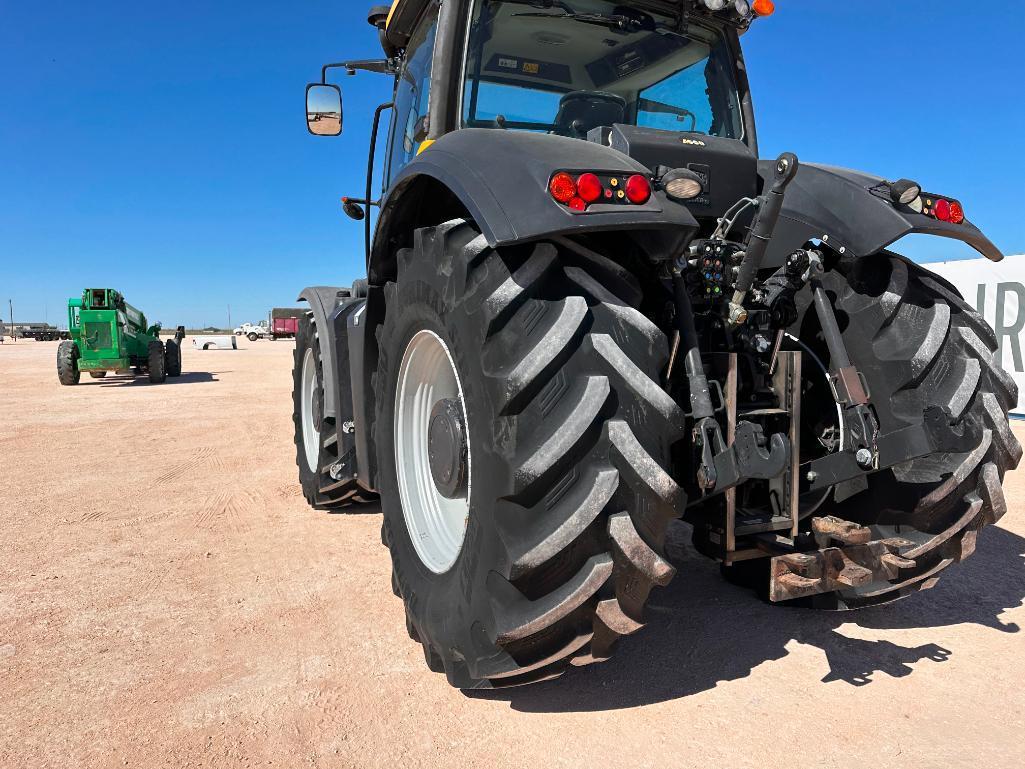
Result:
{"points": [[323, 301], [839, 206], [340, 338], [500, 178]]}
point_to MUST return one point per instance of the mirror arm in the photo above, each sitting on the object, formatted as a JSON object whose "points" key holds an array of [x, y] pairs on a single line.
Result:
{"points": [[382, 66], [370, 170]]}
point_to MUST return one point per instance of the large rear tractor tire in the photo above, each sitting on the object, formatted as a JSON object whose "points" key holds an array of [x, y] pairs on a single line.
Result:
{"points": [[316, 441], [522, 439], [173, 358], [919, 344], [67, 364], [157, 363]]}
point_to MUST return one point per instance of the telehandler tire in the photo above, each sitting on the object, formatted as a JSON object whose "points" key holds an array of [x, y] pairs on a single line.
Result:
{"points": [[316, 441], [67, 364], [173, 358], [157, 363], [919, 344], [522, 439]]}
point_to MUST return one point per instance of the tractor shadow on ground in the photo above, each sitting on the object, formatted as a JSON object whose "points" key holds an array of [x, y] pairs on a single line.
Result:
{"points": [[370, 508], [702, 631], [189, 377]]}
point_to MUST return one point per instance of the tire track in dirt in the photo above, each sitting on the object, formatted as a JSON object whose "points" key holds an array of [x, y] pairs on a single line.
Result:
{"points": [[202, 457], [231, 510], [289, 491]]}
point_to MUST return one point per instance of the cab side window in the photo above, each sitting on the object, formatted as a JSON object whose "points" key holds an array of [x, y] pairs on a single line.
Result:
{"points": [[412, 97]]}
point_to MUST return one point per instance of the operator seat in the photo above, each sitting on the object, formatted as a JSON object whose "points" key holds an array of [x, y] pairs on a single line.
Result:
{"points": [[580, 111]]}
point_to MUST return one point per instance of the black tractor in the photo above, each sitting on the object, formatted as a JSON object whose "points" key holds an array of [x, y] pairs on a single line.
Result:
{"points": [[591, 311]]}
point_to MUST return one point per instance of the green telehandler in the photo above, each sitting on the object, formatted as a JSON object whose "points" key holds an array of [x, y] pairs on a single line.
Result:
{"points": [[109, 335]]}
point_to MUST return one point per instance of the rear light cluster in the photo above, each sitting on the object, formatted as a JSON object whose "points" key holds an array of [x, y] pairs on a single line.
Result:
{"points": [[579, 192], [944, 210]]}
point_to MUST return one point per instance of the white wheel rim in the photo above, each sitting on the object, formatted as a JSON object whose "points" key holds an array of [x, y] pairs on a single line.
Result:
{"points": [[436, 525], [311, 435]]}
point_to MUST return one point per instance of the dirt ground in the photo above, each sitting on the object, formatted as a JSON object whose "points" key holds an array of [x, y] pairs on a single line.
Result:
{"points": [[167, 599]]}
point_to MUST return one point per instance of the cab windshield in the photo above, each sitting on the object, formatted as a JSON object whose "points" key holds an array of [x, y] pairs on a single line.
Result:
{"points": [[569, 67]]}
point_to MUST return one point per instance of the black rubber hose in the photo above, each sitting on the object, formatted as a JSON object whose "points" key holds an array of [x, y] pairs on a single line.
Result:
{"points": [[700, 398]]}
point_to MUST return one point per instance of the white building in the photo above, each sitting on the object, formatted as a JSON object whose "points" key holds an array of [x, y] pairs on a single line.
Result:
{"points": [[997, 291]]}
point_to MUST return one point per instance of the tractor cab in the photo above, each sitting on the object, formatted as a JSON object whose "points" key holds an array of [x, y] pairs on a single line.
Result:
{"points": [[667, 76]]}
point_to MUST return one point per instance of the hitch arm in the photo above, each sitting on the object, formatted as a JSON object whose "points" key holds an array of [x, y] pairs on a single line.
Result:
{"points": [[934, 435], [845, 380], [722, 466]]}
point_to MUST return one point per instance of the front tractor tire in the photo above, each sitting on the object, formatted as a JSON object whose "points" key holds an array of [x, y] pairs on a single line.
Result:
{"points": [[157, 363], [173, 358], [522, 439], [919, 344], [67, 364], [316, 441]]}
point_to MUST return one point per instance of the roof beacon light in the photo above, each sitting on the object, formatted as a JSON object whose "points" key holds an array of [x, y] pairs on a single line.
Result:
{"points": [[905, 192], [764, 7], [682, 184]]}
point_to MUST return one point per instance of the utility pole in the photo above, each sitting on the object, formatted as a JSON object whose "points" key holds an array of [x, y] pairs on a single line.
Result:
{"points": [[14, 334], [229, 318]]}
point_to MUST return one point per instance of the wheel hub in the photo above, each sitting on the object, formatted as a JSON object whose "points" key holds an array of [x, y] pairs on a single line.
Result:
{"points": [[446, 448], [433, 461], [311, 414]]}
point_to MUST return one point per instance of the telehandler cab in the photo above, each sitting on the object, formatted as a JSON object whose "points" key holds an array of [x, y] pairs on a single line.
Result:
{"points": [[591, 310]]}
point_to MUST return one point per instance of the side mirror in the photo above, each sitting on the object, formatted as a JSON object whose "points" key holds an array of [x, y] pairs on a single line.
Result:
{"points": [[323, 109]]}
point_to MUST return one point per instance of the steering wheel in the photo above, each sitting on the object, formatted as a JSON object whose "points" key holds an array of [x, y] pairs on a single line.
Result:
{"points": [[580, 111]]}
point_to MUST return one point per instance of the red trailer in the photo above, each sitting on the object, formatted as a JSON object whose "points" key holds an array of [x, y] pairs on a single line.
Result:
{"points": [[284, 322]]}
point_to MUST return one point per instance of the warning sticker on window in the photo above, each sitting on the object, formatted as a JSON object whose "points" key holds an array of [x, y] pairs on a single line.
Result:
{"points": [[531, 68], [509, 63]]}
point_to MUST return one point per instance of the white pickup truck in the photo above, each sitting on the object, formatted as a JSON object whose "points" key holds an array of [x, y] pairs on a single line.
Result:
{"points": [[253, 332]]}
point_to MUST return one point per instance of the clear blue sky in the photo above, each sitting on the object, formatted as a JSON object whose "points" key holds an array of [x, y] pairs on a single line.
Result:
{"points": [[160, 148]]}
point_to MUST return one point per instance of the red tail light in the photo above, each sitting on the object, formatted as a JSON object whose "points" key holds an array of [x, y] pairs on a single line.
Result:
{"points": [[638, 189], [579, 193], [942, 210], [563, 188], [956, 212], [589, 187]]}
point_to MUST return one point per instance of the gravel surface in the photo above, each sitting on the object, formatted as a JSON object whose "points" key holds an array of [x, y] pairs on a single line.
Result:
{"points": [[167, 599]]}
